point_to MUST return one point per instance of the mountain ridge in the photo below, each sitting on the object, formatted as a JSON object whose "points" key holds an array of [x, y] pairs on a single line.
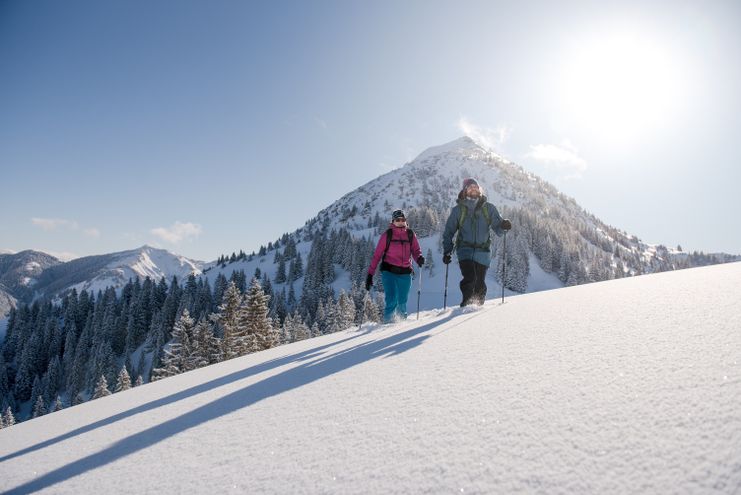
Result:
{"points": [[91, 273]]}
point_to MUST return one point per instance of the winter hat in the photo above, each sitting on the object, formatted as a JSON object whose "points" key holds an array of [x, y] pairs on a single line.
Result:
{"points": [[397, 214], [466, 183], [469, 182]]}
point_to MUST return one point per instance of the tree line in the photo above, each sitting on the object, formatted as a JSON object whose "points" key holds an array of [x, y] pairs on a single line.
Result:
{"points": [[88, 346]]}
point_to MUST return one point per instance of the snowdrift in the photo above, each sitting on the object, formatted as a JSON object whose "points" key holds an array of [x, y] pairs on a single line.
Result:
{"points": [[626, 386]]}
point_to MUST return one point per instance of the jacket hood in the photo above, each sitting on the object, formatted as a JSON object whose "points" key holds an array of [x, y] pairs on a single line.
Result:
{"points": [[482, 199]]}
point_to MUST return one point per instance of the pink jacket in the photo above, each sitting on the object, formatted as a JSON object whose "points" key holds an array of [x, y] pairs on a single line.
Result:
{"points": [[399, 252]]}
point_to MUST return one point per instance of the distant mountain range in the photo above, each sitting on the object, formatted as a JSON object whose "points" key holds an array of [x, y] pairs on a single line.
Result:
{"points": [[554, 242], [27, 275]]}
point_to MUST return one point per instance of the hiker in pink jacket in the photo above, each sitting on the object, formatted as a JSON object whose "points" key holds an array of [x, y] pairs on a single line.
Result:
{"points": [[395, 250]]}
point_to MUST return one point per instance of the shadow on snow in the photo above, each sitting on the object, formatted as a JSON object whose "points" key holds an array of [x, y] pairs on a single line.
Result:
{"points": [[307, 372]]}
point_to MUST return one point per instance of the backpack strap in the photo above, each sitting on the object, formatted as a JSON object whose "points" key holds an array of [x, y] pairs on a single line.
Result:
{"points": [[388, 243], [462, 217], [389, 233], [464, 210]]}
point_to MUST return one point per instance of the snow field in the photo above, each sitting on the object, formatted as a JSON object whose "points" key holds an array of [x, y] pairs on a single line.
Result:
{"points": [[628, 386]]}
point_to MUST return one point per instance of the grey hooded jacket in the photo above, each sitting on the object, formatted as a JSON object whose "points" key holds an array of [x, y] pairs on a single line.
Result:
{"points": [[473, 241]]}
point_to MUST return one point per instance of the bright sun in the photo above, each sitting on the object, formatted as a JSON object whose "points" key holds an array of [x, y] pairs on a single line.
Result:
{"points": [[619, 86]]}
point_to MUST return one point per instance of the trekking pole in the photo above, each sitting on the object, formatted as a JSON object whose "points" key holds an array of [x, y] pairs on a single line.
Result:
{"points": [[362, 314], [445, 298], [365, 306], [419, 290], [504, 263]]}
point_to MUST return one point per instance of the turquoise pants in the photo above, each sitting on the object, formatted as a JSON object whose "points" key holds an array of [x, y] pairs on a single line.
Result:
{"points": [[396, 292]]}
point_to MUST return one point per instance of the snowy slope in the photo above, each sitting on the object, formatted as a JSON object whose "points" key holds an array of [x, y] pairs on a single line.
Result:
{"points": [[628, 386], [19, 275], [7, 302]]}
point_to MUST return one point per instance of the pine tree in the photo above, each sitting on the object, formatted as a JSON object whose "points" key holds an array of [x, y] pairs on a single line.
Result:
{"points": [[259, 326], [240, 280], [320, 320], [291, 302], [141, 366], [286, 331], [25, 376], [39, 408], [290, 251], [346, 311], [8, 418], [280, 276], [220, 286], [101, 362], [76, 373], [52, 379], [123, 382], [205, 346], [300, 330], [204, 301], [278, 309], [58, 406], [190, 294], [155, 340], [371, 312], [70, 343], [232, 341], [37, 391], [315, 332], [4, 380], [178, 357], [139, 381], [101, 388], [267, 286], [296, 269], [333, 316]]}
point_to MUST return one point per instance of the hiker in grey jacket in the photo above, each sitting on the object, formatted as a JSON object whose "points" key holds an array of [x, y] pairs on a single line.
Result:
{"points": [[473, 218]]}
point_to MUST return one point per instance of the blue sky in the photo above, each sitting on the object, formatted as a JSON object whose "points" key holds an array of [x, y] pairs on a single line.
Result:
{"points": [[209, 127]]}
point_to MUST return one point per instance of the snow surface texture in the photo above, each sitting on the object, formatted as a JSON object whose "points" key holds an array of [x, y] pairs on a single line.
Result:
{"points": [[628, 386]]}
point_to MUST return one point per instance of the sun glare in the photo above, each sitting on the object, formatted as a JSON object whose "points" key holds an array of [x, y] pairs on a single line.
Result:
{"points": [[619, 86]]}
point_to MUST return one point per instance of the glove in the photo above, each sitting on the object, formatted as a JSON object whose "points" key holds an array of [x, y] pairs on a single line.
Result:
{"points": [[421, 260], [446, 258], [505, 225], [368, 281]]}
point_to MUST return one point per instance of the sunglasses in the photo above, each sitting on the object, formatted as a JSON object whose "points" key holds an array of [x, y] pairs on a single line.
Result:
{"points": [[402, 219]]}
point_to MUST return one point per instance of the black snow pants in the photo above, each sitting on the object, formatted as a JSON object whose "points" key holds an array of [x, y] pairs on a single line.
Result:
{"points": [[473, 285]]}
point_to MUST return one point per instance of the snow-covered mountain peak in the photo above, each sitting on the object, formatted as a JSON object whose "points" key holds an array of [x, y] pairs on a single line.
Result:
{"points": [[463, 147], [432, 181], [96, 273], [155, 263]]}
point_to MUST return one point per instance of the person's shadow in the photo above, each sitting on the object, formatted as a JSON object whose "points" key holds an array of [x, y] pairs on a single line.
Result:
{"points": [[309, 371]]}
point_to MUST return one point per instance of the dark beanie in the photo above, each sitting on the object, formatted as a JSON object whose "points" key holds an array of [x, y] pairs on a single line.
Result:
{"points": [[397, 214], [469, 182]]}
